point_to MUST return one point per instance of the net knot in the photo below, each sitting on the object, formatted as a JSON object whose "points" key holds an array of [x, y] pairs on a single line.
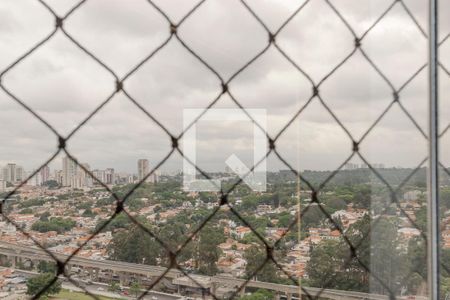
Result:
{"points": [[58, 22], [271, 144], [315, 91], [61, 142], [396, 97], [269, 252], [60, 267], [119, 85], [223, 199], [173, 29], [224, 88], [174, 141], [119, 207]]}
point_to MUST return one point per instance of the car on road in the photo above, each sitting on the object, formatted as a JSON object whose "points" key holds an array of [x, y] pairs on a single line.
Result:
{"points": [[100, 288]]}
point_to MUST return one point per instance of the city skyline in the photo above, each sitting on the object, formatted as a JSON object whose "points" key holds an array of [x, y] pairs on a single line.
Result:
{"points": [[226, 169], [71, 174]]}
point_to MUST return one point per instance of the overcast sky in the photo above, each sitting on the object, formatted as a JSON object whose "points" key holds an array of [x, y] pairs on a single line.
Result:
{"points": [[63, 84]]}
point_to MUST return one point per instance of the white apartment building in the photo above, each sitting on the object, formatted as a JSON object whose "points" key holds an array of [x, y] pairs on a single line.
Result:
{"points": [[2, 185], [13, 173], [143, 168], [75, 176]]}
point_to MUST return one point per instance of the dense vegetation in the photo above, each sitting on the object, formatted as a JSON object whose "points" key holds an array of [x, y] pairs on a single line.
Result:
{"points": [[332, 264], [136, 245], [59, 225], [41, 281], [378, 250]]}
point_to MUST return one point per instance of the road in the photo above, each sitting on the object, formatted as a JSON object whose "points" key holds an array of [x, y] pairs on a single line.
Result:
{"points": [[94, 288], [155, 271]]}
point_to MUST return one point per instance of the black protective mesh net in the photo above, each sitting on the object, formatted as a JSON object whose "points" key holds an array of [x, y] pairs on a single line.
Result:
{"points": [[173, 36]]}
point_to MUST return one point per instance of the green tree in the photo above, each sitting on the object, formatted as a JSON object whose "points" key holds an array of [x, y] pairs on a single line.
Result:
{"points": [[312, 217], [208, 251], [336, 203], [39, 282], [45, 216], [32, 202], [284, 219], [84, 205], [114, 287], [58, 224], [88, 213], [26, 211], [324, 263], [255, 257], [135, 204], [173, 233], [135, 289], [135, 246], [51, 184], [120, 221], [421, 219], [332, 266], [362, 195], [414, 282], [105, 201], [387, 259], [46, 267], [260, 294], [418, 256], [444, 197], [250, 239], [445, 260]]}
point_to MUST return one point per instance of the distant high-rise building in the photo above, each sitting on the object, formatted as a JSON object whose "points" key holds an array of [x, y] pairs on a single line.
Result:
{"points": [[143, 168], [40, 177], [117, 179], [69, 170], [58, 175], [13, 173], [154, 178], [99, 175], [44, 174], [9, 173], [109, 176], [105, 176], [2, 185], [20, 173], [84, 177], [75, 176]]}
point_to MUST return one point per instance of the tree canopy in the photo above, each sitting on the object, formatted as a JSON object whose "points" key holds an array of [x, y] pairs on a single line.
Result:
{"points": [[37, 283], [58, 224]]}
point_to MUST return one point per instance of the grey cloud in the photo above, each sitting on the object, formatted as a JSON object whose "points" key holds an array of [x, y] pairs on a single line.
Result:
{"points": [[63, 84]]}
